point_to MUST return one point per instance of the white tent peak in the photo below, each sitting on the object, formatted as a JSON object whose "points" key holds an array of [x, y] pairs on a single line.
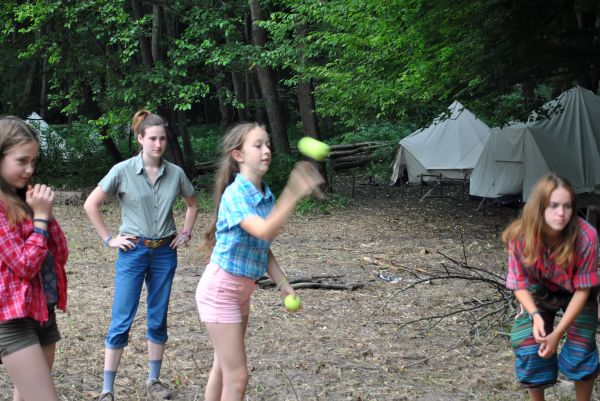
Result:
{"points": [[450, 146], [46, 133]]}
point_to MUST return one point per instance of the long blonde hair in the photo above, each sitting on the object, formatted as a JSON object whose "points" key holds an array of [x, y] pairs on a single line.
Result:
{"points": [[228, 168], [14, 132], [528, 228]]}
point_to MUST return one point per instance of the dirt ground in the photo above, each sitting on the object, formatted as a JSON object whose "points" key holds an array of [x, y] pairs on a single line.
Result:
{"points": [[343, 345]]}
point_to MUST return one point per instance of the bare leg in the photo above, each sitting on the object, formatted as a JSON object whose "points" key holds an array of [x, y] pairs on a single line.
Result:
{"points": [[229, 375], [49, 352], [583, 390], [29, 371], [536, 395], [155, 351], [112, 357]]}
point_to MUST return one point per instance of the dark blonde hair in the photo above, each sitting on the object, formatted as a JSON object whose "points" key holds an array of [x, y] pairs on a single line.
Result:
{"points": [[227, 169], [143, 119], [528, 228], [14, 132]]}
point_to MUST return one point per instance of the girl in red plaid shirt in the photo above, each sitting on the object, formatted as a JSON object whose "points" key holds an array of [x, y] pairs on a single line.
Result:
{"points": [[33, 253], [553, 266]]}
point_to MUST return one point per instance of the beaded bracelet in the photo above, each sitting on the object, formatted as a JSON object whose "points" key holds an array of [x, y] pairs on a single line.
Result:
{"points": [[40, 231]]}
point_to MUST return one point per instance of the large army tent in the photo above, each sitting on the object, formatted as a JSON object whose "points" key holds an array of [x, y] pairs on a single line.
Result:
{"points": [[567, 143], [450, 146]]}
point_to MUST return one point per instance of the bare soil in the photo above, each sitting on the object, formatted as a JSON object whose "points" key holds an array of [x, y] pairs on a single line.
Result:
{"points": [[343, 345]]}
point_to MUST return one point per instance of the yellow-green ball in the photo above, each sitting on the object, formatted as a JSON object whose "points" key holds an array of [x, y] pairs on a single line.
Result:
{"points": [[292, 303], [313, 148]]}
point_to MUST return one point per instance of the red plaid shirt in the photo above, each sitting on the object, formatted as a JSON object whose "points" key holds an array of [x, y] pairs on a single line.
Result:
{"points": [[22, 252], [582, 273]]}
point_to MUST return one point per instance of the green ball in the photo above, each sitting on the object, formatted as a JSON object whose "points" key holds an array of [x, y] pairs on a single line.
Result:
{"points": [[313, 148], [292, 303]]}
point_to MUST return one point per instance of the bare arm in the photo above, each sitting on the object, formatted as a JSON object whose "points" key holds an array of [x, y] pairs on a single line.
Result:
{"points": [[191, 214], [304, 179], [526, 299], [92, 209], [278, 276]]}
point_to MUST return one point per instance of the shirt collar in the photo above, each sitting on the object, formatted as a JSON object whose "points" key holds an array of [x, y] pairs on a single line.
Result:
{"points": [[138, 164], [251, 191]]}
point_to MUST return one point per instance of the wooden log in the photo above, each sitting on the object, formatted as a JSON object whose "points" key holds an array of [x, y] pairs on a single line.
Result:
{"points": [[347, 146], [358, 151]]}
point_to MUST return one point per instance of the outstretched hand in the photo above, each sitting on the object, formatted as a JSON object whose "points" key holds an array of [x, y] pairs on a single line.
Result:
{"points": [[305, 179]]}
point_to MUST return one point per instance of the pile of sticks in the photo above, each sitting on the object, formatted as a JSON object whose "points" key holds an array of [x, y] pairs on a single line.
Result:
{"points": [[352, 155]]}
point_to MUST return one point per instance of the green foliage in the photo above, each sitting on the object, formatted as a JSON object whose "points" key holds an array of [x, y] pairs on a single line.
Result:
{"points": [[375, 132], [206, 141], [328, 205], [279, 171], [370, 61], [205, 201], [72, 158]]}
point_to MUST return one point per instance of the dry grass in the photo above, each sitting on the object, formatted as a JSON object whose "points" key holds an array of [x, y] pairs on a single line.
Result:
{"points": [[343, 345]]}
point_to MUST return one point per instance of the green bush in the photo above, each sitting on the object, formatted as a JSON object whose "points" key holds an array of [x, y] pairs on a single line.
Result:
{"points": [[279, 171], [72, 158]]}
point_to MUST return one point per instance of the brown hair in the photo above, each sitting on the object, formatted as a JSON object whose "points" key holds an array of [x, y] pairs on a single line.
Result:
{"points": [[529, 226], [232, 140], [14, 132], [143, 119]]}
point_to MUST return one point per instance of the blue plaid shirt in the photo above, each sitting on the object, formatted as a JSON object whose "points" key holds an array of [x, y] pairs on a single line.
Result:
{"points": [[236, 251]]}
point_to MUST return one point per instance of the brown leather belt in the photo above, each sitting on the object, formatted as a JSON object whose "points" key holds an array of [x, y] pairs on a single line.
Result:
{"points": [[153, 243]]}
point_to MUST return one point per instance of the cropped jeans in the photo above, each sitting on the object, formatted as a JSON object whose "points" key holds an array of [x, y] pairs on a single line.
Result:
{"points": [[154, 266]]}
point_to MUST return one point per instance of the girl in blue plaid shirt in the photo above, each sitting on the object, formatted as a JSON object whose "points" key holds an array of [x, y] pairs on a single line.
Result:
{"points": [[246, 222]]}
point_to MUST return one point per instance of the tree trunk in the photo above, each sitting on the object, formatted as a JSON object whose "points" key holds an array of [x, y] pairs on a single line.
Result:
{"points": [[306, 104], [188, 153], [174, 153], [225, 108], [239, 87], [44, 88], [156, 11], [268, 87], [254, 86], [145, 48], [28, 89], [94, 113]]}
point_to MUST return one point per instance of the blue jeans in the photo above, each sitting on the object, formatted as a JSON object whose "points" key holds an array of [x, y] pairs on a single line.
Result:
{"points": [[154, 266]]}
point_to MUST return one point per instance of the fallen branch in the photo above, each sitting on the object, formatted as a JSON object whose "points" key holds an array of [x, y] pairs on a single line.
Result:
{"points": [[314, 282], [476, 312]]}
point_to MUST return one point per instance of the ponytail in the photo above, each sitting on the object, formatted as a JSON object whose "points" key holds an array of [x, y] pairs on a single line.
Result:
{"points": [[228, 168]]}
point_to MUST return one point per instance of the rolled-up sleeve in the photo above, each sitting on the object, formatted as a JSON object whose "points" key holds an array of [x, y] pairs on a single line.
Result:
{"points": [[516, 278], [23, 257], [586, 260]]}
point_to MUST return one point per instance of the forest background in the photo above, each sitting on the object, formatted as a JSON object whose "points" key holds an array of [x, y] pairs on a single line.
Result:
{"points": [[340, 70]]}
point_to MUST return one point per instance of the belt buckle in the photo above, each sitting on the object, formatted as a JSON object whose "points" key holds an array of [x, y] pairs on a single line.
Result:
{"points": [[153, 243]]}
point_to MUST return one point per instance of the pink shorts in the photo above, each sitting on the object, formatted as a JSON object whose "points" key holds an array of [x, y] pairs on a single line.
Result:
{"points": [[222, 297]]}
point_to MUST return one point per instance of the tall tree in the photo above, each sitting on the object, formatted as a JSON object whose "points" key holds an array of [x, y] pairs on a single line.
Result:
{"points": [[268, 85]]}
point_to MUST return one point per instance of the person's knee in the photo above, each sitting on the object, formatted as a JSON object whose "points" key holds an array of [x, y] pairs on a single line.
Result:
{"points": [[238, 379]]}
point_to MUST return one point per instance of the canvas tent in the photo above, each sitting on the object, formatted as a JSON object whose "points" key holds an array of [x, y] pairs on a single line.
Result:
{"points": [[450, 146], [48, 137], [567, 143]]}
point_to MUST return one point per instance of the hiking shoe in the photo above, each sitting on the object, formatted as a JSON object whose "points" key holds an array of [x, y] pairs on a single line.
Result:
{"points": [[106, 397], [158, 391]]}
